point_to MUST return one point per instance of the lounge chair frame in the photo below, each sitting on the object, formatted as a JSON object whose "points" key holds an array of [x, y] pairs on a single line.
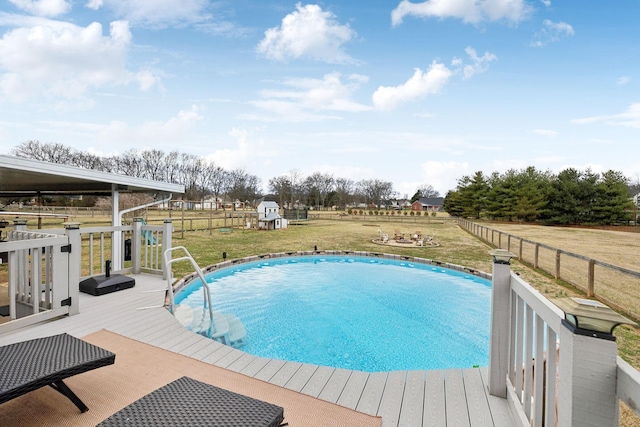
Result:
{"points": [[30, 365]]}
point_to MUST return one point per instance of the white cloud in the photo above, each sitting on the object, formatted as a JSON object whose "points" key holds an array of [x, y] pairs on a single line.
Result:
{"points": [[418, 86], [472, 11], [65, 61], [246, 151], [551, 32], [94, 4], [546, 2], [47, 8], [169, 133], [623, 80], [309, 32], [157, 13], [546, 132], [309, 99], [629, 118], [443, 176], [479, 64]]}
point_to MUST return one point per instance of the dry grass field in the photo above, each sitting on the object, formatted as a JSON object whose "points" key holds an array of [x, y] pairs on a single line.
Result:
{"points": [[616, 247]]}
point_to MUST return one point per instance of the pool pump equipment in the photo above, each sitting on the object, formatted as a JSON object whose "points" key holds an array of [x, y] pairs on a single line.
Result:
{"points": [[106, 283]]}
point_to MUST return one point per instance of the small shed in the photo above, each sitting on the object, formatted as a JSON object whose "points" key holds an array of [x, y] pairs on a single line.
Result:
{"points": [[269, 217]]}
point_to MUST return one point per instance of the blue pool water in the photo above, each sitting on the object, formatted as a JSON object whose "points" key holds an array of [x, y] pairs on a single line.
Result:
{"points": [[359, 313]]}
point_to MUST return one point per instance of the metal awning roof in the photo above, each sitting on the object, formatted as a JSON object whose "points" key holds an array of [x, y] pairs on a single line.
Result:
{"points": [[19, 176]]}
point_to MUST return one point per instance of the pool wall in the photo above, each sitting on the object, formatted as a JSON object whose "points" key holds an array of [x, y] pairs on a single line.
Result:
{"points": [[178, 285]]}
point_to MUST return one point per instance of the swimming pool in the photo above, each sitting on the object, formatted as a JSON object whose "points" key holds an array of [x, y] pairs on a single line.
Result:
{"points": [[361, 313]]}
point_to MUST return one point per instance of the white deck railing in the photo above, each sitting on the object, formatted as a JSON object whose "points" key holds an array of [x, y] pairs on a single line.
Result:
{"points": [[141, 247], [38, 277], [533, 354], [552, 376], [45, 266]]}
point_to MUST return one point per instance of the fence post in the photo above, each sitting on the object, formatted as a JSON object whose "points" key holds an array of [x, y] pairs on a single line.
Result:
{"points": [[557, 264], [520, 250], [508, 242], [587, 380], [591, 278], [500, 323], [166, 244], [536, 251], [136, 246], [72, 230]]}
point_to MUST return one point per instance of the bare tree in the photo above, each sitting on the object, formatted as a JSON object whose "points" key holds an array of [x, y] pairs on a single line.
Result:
{"points": [[296, 179], [153, 164], [281, 187], [319, 185], [344, 191], [129, 163], [48, 152], [375, 190], [242, 186], [427, 191], [216, 180]]}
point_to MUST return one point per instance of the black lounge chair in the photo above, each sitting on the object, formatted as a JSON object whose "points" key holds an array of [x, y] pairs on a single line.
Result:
{"points": [[29, 365], [187, 402]]}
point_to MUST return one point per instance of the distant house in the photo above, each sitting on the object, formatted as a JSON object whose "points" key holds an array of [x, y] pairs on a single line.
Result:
{"points": [[430, 204], [269, 217]]}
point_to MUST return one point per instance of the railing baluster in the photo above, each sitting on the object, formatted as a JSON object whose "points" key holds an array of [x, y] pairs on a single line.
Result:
{"points": [[539, 373], [519, 346], [528, 362], [550, 379]]}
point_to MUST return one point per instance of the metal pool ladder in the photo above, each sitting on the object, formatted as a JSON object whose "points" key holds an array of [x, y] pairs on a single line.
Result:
{"points": [[224, 328]]}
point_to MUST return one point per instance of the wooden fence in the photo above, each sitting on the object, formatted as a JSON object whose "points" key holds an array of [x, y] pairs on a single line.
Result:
{"points": [[616, 286]]}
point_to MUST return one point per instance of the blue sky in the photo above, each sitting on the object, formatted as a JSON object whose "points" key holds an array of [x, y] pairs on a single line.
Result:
{"points": [[409, 92]]}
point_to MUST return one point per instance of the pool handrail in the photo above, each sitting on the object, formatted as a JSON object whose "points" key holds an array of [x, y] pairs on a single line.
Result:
{"points": [[168, 260]]}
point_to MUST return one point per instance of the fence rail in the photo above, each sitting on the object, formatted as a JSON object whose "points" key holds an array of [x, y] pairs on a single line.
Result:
{"points": [[616, 286]]}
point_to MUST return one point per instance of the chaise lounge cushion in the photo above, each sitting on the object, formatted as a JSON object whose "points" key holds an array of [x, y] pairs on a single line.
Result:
{"points": [[187, 402]]}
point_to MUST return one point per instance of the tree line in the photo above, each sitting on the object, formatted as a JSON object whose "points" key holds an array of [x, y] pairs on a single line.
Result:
{"points": [[203, 178], [530, 195]]}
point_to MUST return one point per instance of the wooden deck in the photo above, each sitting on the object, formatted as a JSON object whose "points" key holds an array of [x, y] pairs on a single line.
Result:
{"points": [[454, 397]]}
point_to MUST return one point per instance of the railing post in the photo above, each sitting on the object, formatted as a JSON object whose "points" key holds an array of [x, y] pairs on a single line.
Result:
{"points": [[587, 381], [72, 231], [166, 244], [500, 323], [136, 243], [20, 224]]}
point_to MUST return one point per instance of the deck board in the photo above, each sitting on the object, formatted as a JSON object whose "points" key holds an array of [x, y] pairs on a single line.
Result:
{"points": [[318, 381], [352, 390], [477, 403], [285, 373], [435, 414], [413, 400], [332, 391], [301, 377], [372, 393], [454, 397], [456, 403], [392, 396]]}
